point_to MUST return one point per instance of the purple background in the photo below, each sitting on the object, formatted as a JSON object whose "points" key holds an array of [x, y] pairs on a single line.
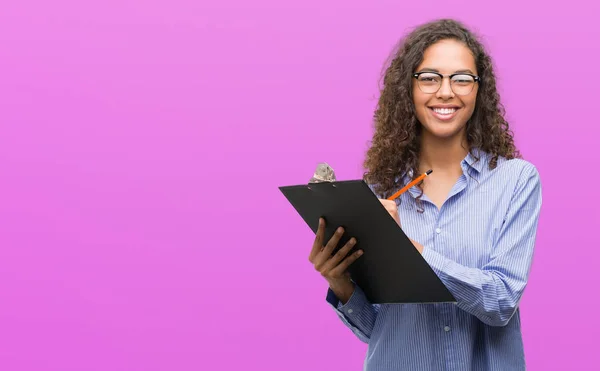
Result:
{"points": [[142, 143]]}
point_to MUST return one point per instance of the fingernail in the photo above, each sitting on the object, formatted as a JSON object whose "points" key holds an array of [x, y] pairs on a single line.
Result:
{"points": [[339, 230], [352, 240], [360, 252]]}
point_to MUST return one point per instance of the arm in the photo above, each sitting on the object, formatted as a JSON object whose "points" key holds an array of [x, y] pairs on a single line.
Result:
{"points": [[493, 292], [357, 313]]}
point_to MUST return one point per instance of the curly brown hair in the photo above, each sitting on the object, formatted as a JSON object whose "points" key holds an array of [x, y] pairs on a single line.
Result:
{"points": [[394, 152]]}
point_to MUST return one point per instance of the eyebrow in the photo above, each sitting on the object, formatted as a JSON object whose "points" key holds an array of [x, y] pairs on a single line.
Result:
{"points": [[434, 70]]}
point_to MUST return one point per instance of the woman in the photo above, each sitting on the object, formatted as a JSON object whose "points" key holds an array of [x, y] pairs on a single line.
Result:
{"points": [[473, 219]]}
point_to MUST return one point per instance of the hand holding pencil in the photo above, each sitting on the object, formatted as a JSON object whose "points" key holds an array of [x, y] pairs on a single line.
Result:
{"points": [[391, 208], [409, 185], [390, 204]]}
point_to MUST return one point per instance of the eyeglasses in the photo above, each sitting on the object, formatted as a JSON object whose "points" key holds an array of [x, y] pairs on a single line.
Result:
{"points": [[460, 83]]}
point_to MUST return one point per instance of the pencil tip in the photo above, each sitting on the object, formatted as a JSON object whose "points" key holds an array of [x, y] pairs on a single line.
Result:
{"points": [[429, 172]]}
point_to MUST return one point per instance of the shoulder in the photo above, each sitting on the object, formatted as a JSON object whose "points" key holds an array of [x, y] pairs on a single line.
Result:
{"points": [[517, 167], [517, 174], [514, 168]]}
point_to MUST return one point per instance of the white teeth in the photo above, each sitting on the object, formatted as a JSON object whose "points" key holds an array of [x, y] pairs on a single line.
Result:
{"points": [[445, 111]]}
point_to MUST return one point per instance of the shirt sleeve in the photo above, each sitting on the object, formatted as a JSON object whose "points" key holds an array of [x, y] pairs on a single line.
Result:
{"points": [[358, 313], [493, 292]]}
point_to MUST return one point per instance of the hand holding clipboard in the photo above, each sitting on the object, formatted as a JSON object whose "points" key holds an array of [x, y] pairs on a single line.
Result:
{"points": [[353, 220]]}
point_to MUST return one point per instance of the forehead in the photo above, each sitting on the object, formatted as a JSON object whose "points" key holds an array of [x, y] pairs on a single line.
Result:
{"points": [[448, 56]]}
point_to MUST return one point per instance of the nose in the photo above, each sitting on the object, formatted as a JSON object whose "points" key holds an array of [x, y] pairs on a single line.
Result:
{"points": [[445, 91]]}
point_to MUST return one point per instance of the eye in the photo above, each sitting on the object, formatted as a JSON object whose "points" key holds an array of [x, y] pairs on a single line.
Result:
{"points": [[429, 78], [462, 79]]}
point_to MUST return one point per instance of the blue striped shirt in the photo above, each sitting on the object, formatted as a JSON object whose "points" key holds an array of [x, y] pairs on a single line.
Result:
{"points": [[480, 244]]}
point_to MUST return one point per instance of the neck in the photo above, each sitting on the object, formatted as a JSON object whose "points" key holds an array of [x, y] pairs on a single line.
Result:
{"points": [[442, 154]]}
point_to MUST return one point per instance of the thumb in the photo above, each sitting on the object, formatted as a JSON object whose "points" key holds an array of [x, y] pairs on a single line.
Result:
{"points": [[387, 203]]}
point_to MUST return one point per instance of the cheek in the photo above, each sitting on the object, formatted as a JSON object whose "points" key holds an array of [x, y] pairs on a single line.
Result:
{"points": [[418, 97], [470, 105], [420, 101]]}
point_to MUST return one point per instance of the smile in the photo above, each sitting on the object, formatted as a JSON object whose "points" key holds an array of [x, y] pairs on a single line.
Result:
{"points": [[444, 113]]}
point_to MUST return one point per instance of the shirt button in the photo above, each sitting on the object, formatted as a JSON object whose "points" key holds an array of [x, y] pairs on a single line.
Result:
{"points": [[438, 231], [350, 311], [447, 328]]}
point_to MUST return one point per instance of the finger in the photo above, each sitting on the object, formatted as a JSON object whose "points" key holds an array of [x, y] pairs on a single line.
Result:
{"points": [[325, 254], [388, 203], [341, 254], [391, 207], [341, 268], [318, 243], [392, 211], [333, 242]]}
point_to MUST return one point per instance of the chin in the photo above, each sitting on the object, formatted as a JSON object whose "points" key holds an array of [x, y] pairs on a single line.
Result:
{"points": [[444, 130]]}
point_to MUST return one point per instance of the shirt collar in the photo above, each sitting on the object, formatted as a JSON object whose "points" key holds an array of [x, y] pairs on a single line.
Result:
{"points": [[475, 159]]}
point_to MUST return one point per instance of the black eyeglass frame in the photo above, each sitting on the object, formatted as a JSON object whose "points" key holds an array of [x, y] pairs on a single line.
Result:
{"points": [[476, 79]]}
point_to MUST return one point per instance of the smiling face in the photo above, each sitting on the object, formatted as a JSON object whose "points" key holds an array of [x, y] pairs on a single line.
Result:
{"points": [[444, 114]]}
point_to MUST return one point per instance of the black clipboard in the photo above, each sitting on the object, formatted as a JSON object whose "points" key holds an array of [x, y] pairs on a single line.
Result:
{"points": [[391, 270]]}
